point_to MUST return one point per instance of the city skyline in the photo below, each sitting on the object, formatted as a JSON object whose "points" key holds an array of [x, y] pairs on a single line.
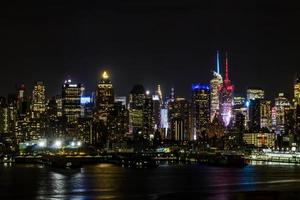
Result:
{"points": [[171, 44], [219, 69], [145, 99]]}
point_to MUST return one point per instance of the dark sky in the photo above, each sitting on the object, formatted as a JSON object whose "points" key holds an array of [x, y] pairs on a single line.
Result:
{"points": [[168, 42]]}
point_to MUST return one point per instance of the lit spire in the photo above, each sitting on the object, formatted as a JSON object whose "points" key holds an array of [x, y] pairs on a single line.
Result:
{"points": [[218, 63], [226, 68], [105, 75]]}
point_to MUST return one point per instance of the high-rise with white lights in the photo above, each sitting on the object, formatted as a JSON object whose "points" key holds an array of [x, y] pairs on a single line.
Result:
{"points": [[104, 98], [281, 104], [71, 97], [254, 93], [297, 91], [215, 87], [226, 98], [200, 110], [38, 102]]}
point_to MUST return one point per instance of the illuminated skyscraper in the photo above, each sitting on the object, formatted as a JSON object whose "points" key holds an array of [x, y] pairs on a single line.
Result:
{"points": [[71, 105], [179, 120], [281, 104], [297, 91], [254, 115], [38, 102], [200, 110], [254, 93], [156, 111], [239, 108], [260, 115], [159, 93], [22, 101], [265, 114], [215, 87], [148, 117], [122, 100], [104, 98], [4, 116], [226, 98], [164, 121], [136, 107]]}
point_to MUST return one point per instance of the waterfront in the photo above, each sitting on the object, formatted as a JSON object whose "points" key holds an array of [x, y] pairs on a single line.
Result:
{"points": [[106, 181]]}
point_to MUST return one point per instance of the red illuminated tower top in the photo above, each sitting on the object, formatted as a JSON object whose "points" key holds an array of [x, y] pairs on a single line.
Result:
{"points": [[227, 82]]}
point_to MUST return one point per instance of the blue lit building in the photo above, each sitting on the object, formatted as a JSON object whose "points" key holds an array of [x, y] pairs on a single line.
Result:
{"points": [[200, 110]]}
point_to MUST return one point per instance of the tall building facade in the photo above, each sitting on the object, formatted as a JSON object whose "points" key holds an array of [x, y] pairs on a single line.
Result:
{"points": [[71, 101], [297, 91], [254, 93], [22, 101], [179, 120], [215, 87], [240, 111], [4, 116], [226, 98], [156, 111], [148, 117], [281, 104], [265, 114], [104, 98], [254, 115], [200, 110], [38, 102], [136, 107]]}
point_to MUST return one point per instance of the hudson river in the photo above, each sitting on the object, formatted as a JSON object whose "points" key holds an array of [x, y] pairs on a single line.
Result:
{"points": [[106, 181]]}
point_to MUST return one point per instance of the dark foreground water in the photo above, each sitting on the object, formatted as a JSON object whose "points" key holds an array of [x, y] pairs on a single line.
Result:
{"points": [[105, 181]]}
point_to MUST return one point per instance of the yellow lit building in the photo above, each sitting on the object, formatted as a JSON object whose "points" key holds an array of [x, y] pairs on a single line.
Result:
{"points": [[260, 139]]}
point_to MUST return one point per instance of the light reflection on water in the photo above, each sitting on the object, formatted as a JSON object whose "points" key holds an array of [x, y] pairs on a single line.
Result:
{"points": [[106, 181]]}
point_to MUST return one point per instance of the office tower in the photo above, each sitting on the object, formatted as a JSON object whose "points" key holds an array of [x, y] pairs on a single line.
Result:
{"points": [[254, 115], [240, 122], [172, 96], [55, 126], [136, 107], [22, 101], [215, 86], [156, 111], [297, 91], [148, 121], [59, 102], [239, 108], [281, 104], [4, 116], [121, 99], [12, 112], [260, 115], [164, 121], [87, 106], [297, 123], [118, 121], [226, 98], [273, 117], [255, 93], [38, 102], [238, 102], [104, 98], [200, 110], [179, 120], [265, 114], [159, 93], [71, 96]]}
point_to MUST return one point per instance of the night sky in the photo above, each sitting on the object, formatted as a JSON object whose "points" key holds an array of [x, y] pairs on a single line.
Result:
{"points": [[171, 43]]}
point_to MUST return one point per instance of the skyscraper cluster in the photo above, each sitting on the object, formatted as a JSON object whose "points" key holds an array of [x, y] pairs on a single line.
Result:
{"points": [[213, 116]]}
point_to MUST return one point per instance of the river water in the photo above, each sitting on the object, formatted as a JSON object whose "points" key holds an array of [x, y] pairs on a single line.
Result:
{"points": [[106, 181]]}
